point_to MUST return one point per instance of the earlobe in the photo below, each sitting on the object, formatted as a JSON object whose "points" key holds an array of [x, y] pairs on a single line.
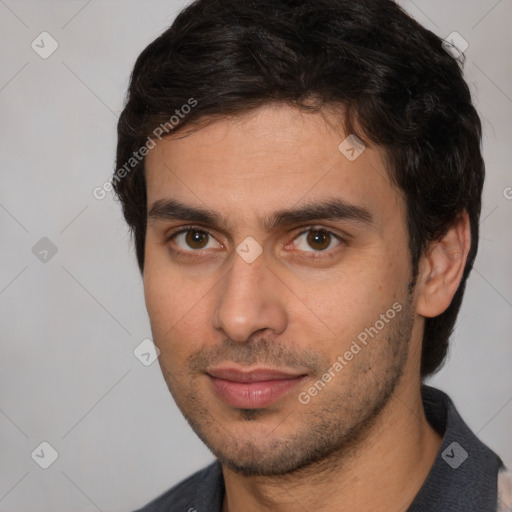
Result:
{"points": [[442, 267]]}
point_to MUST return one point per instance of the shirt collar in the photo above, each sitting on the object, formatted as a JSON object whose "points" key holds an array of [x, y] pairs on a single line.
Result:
{"points": [[464, 474], [463, 477]]}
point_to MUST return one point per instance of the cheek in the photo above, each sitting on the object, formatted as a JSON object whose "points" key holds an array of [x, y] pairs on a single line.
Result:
{"points": [[164, 290], [177, 310], [354, 296]]}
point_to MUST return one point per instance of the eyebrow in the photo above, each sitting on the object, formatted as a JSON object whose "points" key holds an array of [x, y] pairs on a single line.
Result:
{"points": [[333, 209]]}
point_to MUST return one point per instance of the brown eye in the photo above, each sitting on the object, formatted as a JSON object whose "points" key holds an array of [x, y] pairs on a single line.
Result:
{"points": [[192, 239], [196, 239], [319, 239], [316, 240]]}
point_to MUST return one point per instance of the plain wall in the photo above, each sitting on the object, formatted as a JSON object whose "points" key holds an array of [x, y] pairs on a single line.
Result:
{"points": [[68, 326]]}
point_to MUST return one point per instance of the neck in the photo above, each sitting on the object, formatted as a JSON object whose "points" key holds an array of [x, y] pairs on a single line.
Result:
{"points": [[384, 471]]}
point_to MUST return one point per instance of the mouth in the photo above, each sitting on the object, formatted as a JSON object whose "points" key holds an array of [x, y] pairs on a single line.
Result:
{"points": [[253, 388]]}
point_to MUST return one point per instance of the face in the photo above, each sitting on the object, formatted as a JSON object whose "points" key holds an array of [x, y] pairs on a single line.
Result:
{"points": [[276, 281]]}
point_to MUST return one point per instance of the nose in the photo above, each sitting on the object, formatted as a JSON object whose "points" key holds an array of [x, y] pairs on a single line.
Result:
{"points": [[251, 298]]}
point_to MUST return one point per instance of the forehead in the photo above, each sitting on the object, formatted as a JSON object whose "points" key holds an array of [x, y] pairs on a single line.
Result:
{"points": [[267, 160]]}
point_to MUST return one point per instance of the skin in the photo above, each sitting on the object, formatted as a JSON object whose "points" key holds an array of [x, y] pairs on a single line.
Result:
{"points": [[362, 442]]}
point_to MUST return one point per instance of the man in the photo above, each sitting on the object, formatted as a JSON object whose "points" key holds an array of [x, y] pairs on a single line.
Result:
{"points": [[303, 181]]}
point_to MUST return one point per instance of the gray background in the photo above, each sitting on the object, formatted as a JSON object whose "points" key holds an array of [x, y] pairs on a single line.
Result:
{"points": [[68, 326]]}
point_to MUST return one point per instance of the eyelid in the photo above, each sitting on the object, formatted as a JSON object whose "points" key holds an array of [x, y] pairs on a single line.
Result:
{"points": [[315, 227], [180, 229], [305, 229], [318, 254], [193, 227]]}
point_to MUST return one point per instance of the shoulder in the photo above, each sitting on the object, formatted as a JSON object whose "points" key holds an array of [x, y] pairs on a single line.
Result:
{"points": [[205, 486]]}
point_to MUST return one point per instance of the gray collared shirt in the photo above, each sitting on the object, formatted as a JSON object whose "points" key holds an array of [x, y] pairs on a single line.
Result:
{"points": [[464, 477]]}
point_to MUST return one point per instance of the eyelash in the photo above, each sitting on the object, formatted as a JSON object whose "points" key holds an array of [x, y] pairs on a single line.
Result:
{"points": [[199, 253]]}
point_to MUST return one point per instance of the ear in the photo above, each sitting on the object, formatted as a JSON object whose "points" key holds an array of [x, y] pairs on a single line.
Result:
{"points": [[442, 267]]}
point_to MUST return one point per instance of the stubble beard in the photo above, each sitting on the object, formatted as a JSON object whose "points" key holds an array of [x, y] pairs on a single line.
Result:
{"points": [[324, 432]]}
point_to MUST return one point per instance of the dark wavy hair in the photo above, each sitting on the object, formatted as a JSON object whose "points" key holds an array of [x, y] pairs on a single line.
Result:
{"points": [[397, 85]]}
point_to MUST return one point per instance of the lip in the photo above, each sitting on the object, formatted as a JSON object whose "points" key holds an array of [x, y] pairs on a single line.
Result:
{"points": [[252, 389]]}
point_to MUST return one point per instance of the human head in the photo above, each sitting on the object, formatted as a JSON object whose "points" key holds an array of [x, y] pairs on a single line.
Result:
{"points": [[397, 86]]}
